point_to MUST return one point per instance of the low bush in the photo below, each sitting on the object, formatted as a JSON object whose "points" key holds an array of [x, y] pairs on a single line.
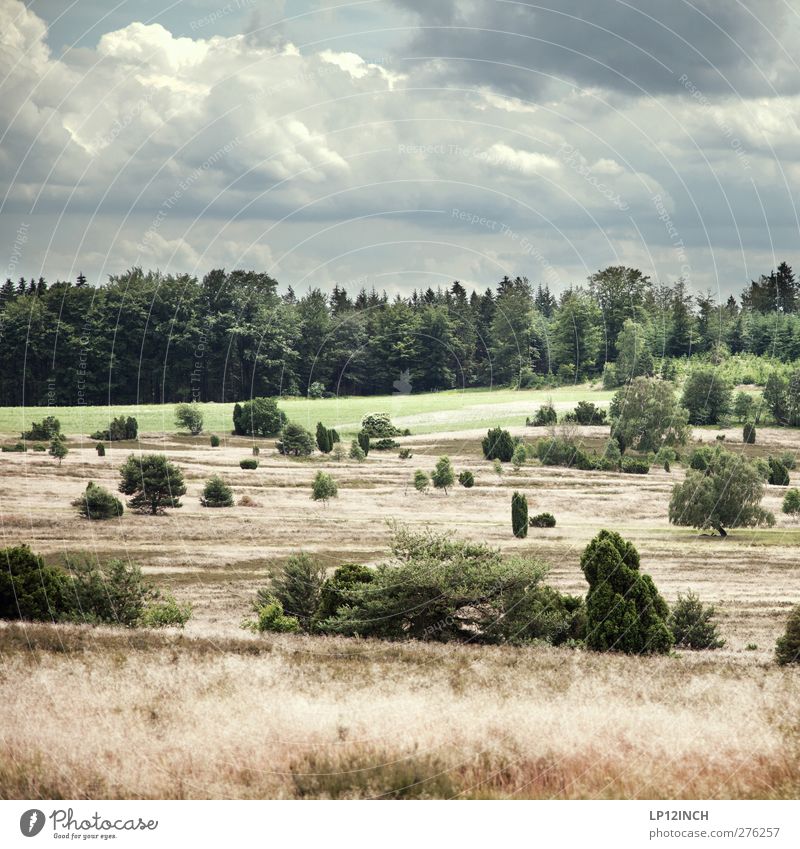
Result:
{"points": [[295, 441], [546, 415], [115, 593], [29, 589], [248, 463], [789, 459], [559, 451], [357, 452], [587, 413], [692, 624], [216, 493], [405, 454], [336, 590], [45, 430], [324, 487], [791, 502], [270, 618], [787, 648], [778, 473], [498, 445], [98, 503], [466, 479], [167, 612], [17, 448], [101, 449], [383, 444], [214, 439], [543, 520], [298, 588], [119, 428], [634, 466], [519, 457], [38, 447], [421, 480]]}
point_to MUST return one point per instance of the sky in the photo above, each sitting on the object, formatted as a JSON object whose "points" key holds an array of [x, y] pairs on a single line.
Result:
{"points": [[400, 144]]}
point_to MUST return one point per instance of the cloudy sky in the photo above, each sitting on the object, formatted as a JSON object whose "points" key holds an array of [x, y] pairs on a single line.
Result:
{"points": [[400, 143]]}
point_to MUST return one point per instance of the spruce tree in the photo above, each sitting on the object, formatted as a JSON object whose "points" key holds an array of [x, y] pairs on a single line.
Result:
{"points": [[519, 515], [324, 442]]}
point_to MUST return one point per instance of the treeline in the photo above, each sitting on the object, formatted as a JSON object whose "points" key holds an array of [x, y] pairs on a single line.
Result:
{"points": [[147, 337]]}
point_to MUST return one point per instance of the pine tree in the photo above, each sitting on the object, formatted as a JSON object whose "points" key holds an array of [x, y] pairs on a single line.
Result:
{"points": [[519, 515], [324, 442]]}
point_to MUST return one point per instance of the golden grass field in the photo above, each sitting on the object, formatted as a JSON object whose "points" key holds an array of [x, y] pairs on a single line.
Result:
{"points": [[215, 712]]}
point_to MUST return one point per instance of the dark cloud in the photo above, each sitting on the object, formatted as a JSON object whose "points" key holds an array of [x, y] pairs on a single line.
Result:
{"points": [[638, 47]]}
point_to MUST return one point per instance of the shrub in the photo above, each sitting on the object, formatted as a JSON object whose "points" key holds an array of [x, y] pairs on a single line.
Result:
{"points": [[624, 610], [363, 441], [634, 466], [295, 441], [324, 487], [190, 417], [743, 406], [706, 396], [498, 445], [787, 648], [153, 482], [560, 451], [791, 502], [519, 457], [443, 475], [298, 588], [519, 515], [29, 589], [788, 459], [336, 590], [357, 452], [101, 449], [18, 447], [316, 390], [701, 458], [98, 503], [778, 474], [58, 449], [45, 430], [586, 413], [645, 415], [214, 439], [259, 417], [497, 467], [405, 454], [749, 433], [256, 451], [216, 493], [40, 447], [543, 520], [339, 453], [248, 463], [546, 415], [167, 612], [119, 428], [466, 479], [383, 444], [270, 618], [421, 480], [116, 593], [334, 436], [379, 426], [248, 501], [692, 624], [324, 442], [612, 453]]}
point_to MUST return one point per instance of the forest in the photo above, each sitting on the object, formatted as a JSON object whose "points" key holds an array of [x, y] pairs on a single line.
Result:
{"points": [[148, 337]]}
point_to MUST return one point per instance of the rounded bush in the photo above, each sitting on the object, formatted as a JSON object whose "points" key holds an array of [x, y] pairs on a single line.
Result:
{"points": [[466, 479], [787, 649], [216, 493], [98, 503], [749, 434], [543, 520], [29, 589], [248, 463], [214, 439]]}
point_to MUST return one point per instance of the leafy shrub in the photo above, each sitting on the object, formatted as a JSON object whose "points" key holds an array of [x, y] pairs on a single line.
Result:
{"points": [[634, 466], [421, 480], [788, 459], [216, 493], [543, 520], [519, 515], [363, 441], [153, 482], [624, 610], [560, 451], [270, 618], [405, 454], [30, 590], [338, 453], [58, 449], [497, 467], [259, 417], [587, 413], [379, 426], [336, 590], [116, 593], [214, 439], [18, 447], [295, 441], [357, 452], [383, 444], [546, 415], [298, 588], [692, 624], [316, 390], [39, 447], [787, 648], [190, 417], [701, 458], [334, 436], [749, 434], [443, 475], [167, 612], [119, 428], [323, 438], [248, 463], [707, 396], [743, 406], [101, 449], [466, 479], [45, 430], [98, 503], [645, 415], [778, 474], [519, 457], [324, 487], [791, 502], [498, 445]]}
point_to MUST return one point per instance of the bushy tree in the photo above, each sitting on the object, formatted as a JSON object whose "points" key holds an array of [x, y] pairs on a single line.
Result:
{"points": [[190, 417], [379, 426], [633, 358], [519, 457], [49, 428], [421, 480], [544, 416], [336, 590], [214, 440], [119, 428], [101, 449], [519, 515], [749, 434], [295, 441], [692, 624], [324, 442], [98, 503], [791, 502], [466, 479], [707, 396], [624, 610], [216, 493], [587, 413], [726, 493], [363, 441], [259, 417], [357, 452], [153, 483], [298, 588], [58, 449], [645, 415], [29, 589], [498, 445], [324, 487], [787, 648], [743, 406], [115, 593], [443, 475], [778, 473]]}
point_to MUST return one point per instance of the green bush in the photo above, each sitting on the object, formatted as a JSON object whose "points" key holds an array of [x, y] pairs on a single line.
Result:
{"points": [[115, 593], [692, 624], [357, 452], [40, 448], [29, 589], [787, 648], [98, 503], [405, 454], [101, 449], [259, 417], [519, 457], [383, 444], [334, 436], [324, 487], [421, 480], [248, 463], [789, 459], [498, 445], [791, 502], [190, 417], [167, 612], [519, 515], [544, 416], [634, 466], [743, 406], [58, 449], [379, 426], [701, 458], [645, 415], [587, 413], [316, 390], [324, 442], [216, 493], [749, 434], [270, 618], [466, 479], [363, 441], [153, 482], [707, 396], [336, 590], [543, 520], [560, 451], [119, 428], [298, 588], [49, 428], [295, 441], [624, 610], [214, 440], [778, 474], [443, 475]]}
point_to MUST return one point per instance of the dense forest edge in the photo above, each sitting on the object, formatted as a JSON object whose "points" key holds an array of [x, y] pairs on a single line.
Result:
{"points": [[146, 337]]}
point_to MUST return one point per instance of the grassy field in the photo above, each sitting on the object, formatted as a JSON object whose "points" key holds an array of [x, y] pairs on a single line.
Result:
{"points": [[434, 412], [216, 712]]}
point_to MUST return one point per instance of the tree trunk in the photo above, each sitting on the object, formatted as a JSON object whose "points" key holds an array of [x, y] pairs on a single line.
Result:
{"points": [[722, 532]]}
